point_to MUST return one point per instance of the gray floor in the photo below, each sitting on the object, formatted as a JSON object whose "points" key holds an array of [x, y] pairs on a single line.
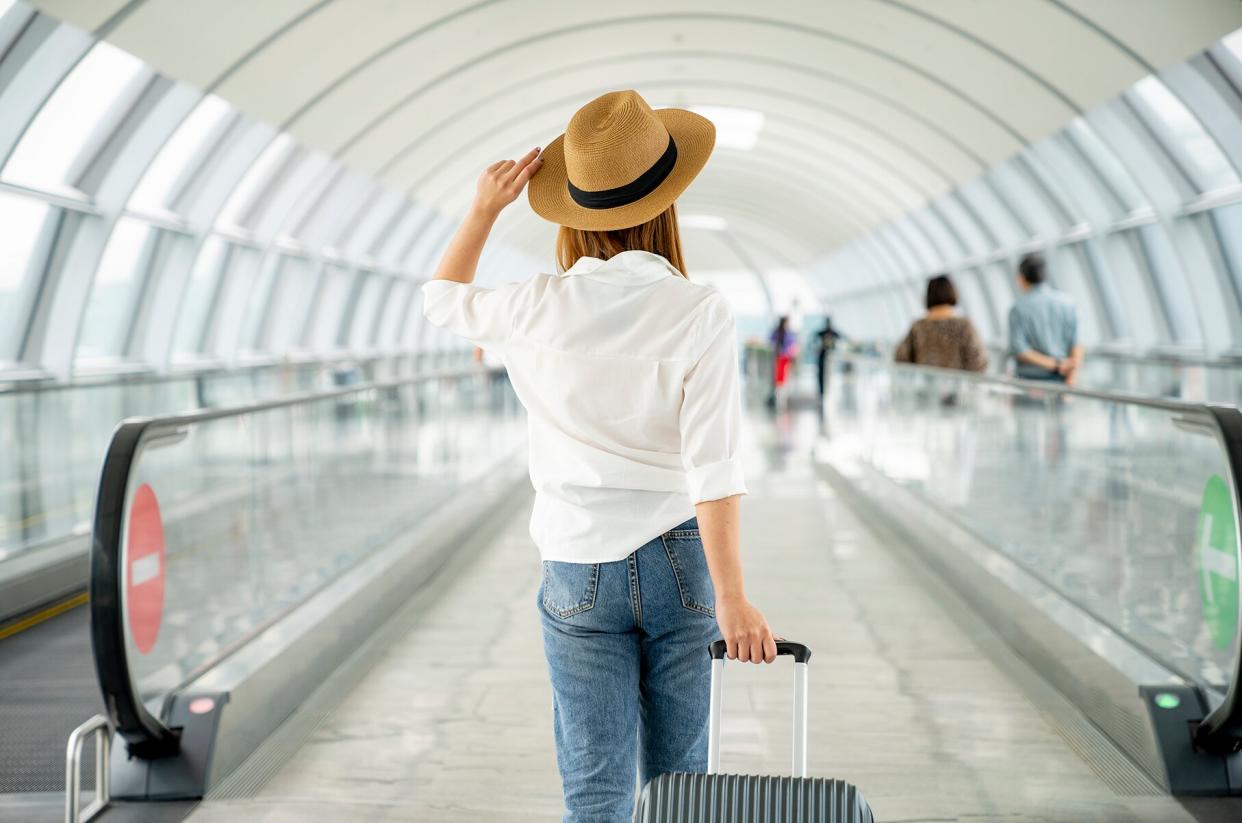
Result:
{"points": [[47, 688], [903, 701]]}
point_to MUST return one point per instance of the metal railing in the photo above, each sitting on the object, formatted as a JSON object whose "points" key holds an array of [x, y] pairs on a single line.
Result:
{"points": [[102, 731], [147, 736], [25, 383], [1157, 373], [57, 432], [1220, 730]]}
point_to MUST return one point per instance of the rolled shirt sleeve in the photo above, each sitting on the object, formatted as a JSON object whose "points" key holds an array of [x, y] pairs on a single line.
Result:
{"points": [[711, 413], [483, 316]]}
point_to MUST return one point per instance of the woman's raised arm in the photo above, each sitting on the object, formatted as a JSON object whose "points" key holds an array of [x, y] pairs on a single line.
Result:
{"points": [[499, 185]]}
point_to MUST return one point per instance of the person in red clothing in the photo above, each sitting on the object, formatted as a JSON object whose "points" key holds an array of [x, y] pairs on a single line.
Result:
{"points": [[784, 351]]}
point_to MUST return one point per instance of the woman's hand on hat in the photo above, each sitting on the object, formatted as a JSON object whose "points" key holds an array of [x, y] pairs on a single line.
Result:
{"points": [[502, 182]]}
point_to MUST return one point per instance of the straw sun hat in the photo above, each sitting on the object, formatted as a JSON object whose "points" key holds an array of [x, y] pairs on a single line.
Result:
{"points": [[620, 163]]}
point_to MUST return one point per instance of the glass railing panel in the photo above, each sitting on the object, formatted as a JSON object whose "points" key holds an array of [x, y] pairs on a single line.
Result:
{"points": [[1218, 381], [55, 436], [234, 520], [1196, 379], [55, 440], [1125, 509]]}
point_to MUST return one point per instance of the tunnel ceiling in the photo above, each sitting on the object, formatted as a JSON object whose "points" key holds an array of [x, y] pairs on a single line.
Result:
{"points": [[868, 107]]}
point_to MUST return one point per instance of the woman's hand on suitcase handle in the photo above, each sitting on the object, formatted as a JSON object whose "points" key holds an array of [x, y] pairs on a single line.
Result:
{"points": [[745, 631], [742, 626]]}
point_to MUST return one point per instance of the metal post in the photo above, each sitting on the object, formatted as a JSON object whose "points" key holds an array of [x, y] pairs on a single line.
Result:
{"points": [[97, 725], [799, 720], [103, 756], [713, 722]]}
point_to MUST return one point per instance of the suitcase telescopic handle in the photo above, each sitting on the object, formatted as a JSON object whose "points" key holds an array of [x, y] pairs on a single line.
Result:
{"points": [[801, 655], [800, 652]]}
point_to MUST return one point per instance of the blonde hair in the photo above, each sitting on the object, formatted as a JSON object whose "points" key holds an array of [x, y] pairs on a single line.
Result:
{"points": [[658, 235]]}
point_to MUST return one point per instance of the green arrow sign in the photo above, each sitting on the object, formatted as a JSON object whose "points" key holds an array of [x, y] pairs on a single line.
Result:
{"points": [[1217, 555]]}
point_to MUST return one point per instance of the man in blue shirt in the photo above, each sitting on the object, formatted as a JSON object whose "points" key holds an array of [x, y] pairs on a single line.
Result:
{"points": [[1043, 327]]}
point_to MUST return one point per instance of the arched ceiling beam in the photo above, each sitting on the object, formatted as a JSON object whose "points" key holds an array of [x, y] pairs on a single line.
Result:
{"points": [[778, 184], [466, 106], [955, 36], [991, 49], [853, 167], [589, 27], [803, 225], [815, 232], [474, 146], [778, 191], [797, 164]]}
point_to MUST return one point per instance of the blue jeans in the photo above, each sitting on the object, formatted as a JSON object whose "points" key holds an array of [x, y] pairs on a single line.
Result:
{"points": [[626, 644]]}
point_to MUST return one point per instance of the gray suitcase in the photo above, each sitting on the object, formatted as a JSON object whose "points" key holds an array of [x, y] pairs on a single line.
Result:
{"points": [[737, 798]]}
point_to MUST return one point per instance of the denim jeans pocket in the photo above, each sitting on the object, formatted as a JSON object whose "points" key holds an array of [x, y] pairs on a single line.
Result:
{"points": [[694, 582], [569, 588]]}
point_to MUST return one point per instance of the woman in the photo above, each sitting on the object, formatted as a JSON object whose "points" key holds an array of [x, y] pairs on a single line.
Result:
{"points": [[784, 351], [942, 338], [628, 372]]}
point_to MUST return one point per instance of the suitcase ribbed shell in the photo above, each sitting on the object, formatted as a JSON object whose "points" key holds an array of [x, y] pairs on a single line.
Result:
{"points": [[740, 798]]}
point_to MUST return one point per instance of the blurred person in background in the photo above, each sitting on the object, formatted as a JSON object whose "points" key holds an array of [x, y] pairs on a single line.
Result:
{"points": [[1043, 327], [784, 354], [942, 337], [828, 337]]}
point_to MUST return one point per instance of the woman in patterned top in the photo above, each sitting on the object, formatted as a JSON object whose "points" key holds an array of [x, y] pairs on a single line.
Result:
{"points": [[943, 338]]}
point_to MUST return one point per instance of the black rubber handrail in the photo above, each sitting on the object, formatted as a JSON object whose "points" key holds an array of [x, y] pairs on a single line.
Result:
{"points": [[1157, 357], [147, 736], [1049, 387], [1152, 357], [1221, 730]]}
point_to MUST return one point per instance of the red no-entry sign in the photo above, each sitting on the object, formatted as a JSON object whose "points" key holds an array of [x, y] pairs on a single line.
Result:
{"points": [[144, 569]]}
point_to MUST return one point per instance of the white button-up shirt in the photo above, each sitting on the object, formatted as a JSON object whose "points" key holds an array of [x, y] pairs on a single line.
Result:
{"points": [[629, 375]]}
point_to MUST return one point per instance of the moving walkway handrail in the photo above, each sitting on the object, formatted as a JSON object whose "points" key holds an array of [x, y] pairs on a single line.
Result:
{"points": [[1053, 387], [1221, 730], [1151, 357], [147, 736], [25, 383], [1231, 360]]}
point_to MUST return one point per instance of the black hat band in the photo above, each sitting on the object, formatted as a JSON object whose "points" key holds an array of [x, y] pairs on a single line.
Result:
{"points": [[635, 190]]}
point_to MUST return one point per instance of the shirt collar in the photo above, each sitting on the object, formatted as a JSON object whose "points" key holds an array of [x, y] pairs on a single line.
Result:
{"points": [[634, 267]]}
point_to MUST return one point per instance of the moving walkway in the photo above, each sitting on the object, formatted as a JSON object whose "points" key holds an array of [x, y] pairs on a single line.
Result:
{"points": [[238, 553], [1097, 531], [240, 556]]}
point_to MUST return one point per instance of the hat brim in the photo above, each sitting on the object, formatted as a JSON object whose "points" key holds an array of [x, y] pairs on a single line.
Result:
{"points": [[548, 191]]}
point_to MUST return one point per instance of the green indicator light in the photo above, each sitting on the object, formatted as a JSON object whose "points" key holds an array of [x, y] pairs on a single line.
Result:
{"points": [[1168, 701]]}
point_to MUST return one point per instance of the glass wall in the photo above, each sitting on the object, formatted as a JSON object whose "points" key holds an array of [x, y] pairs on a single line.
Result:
{"points": [[1134, 204], [149, 226], [1103, 501], [23, 220]]}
